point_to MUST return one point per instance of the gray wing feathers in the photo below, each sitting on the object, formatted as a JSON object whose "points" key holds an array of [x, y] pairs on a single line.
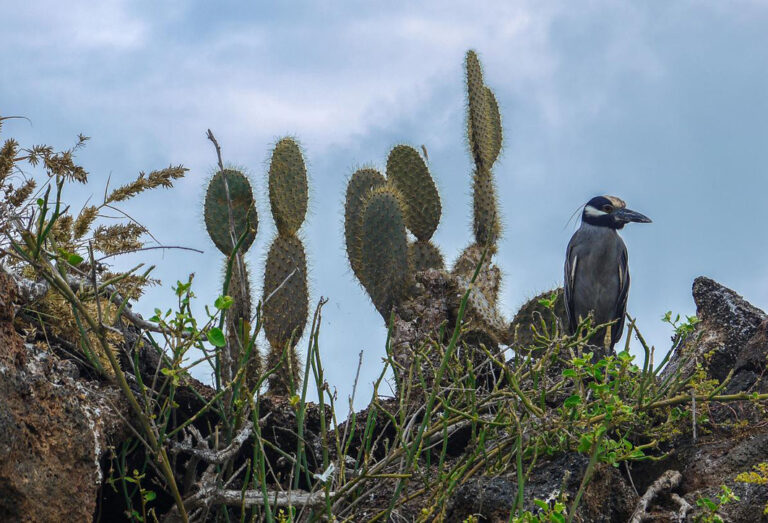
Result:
{"points": [[571, 262], [621, 302]]}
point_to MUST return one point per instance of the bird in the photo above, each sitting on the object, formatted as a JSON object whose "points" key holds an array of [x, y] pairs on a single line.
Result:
{"points": [[596, 270]]}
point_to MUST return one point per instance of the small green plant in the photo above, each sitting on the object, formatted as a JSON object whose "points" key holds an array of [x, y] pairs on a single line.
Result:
{"points": [[554, 512], [683, 326], [711, 507]]}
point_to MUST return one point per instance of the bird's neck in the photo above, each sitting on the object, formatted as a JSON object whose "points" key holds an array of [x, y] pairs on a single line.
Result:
{"points": [[598, 230], [603, 220]]}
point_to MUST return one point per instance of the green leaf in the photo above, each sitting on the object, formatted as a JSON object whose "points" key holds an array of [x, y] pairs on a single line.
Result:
{"points": [[216, 337], [223, 302], [569, 373], [541, 504], [72, 258], [557, 518], [572, 401], [585, 443], [149, 495]]}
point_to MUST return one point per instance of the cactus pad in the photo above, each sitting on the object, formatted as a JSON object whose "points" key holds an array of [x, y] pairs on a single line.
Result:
{"points": [[423, 255], [486, 225], [359, 188], [384, 250], [217, 210], [288, 187], [479, 128], [409, 174], [285, 304], [495, 123]]}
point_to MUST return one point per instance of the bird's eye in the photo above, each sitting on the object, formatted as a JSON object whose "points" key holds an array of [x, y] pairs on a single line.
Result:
{"points": [[607, 208]]}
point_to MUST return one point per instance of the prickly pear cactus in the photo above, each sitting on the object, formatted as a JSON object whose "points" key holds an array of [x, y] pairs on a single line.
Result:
{"points": [[359, 188], [229, 196], [377, 212], [384, 250], [409, 174], [485, 140], [285, 304], [288, 186], [285, 307], [395, 269], [479, 129], [230, 213]]}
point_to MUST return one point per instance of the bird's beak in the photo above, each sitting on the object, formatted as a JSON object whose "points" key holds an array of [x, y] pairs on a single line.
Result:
{"points": [[628, 215]]}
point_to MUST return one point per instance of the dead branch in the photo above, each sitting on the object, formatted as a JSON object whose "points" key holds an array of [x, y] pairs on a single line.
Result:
{"points": [[202, 451], [685, 507], [255, 498], [667, 481]]}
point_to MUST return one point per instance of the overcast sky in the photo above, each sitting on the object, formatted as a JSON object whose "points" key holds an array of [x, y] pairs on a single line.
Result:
{"points": [[662, 103]]}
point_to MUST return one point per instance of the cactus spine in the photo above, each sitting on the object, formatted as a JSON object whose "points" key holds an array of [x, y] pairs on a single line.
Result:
{"points": [[377, 214], [285, 305], [230, 215]]}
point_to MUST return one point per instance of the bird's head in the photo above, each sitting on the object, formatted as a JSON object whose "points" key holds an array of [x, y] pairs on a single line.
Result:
{"points": [[609, 211]]}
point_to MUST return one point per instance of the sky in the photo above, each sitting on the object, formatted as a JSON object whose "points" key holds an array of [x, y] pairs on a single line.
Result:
{"points": [[664, 104]]}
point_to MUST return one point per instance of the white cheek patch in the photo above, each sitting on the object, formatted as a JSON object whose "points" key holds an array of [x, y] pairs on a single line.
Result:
{"points": [[591, 211]]}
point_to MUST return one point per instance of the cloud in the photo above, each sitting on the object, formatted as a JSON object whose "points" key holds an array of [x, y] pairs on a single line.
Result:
{"points": [[104, 26], [652, 101]]}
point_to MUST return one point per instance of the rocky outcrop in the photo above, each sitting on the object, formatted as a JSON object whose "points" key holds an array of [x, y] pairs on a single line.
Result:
{"points": [[57, 423], [54, 429], [732, 335]]}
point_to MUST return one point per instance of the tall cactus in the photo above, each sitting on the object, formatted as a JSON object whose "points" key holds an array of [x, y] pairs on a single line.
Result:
{"points": [[377, 212], [484, 135], [230, 216], [285, 304]]}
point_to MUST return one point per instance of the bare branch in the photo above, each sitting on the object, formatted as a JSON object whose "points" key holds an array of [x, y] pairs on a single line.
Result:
{"points": [[213, 456], [667, 481]]}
